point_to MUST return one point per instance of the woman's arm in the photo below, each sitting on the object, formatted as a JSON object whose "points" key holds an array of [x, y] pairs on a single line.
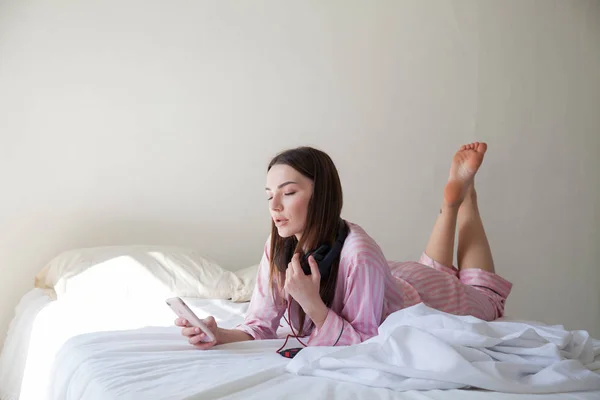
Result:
{"points": [[197, 338], [361, 314], [232, 335]]}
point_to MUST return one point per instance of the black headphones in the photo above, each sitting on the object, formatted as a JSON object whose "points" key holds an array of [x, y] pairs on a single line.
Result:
{"points": [[325, 255]]}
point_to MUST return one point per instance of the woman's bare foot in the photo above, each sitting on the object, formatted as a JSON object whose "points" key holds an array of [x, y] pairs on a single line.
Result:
{"points": [[465, 164]]}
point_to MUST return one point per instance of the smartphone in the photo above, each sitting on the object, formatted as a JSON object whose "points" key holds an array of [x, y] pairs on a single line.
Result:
{"points": [[182, 310]]}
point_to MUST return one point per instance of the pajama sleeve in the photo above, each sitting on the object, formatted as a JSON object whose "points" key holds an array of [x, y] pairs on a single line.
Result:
{"points": [[360, 317], [265, 309]]}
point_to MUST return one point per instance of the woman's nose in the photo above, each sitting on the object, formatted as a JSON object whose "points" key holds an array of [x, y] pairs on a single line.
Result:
{"points": [[276, 204]]}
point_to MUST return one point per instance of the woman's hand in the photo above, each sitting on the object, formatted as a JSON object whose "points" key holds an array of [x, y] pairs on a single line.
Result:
{"points": [[305, 289], [195, 335]]}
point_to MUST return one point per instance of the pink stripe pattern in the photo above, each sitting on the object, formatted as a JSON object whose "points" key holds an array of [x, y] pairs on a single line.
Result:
{"points": [[369, 288]]}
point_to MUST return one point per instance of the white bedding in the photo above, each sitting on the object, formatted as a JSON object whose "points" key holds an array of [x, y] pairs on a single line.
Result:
{"points": [[106, 351], [422, 348], [16, 345], [42, 326], [154, 364]]}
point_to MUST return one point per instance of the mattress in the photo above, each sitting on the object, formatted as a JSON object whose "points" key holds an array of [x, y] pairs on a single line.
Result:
{"points": [[65, 350]]}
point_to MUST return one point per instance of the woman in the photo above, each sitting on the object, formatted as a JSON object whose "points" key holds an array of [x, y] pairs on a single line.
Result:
{"points": [[362, 288]]}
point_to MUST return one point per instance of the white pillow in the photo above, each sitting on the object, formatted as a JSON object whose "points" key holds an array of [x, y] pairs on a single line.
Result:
{"points": [[247, 278], [141, 272]]}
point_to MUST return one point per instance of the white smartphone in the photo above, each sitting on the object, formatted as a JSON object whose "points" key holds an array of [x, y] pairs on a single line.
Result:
{"points": [[182, 310]]}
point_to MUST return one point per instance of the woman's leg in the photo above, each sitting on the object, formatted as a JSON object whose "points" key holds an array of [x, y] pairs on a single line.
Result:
{"points": [[440, 247], [473, 246], [477, 291], [441, 242]]}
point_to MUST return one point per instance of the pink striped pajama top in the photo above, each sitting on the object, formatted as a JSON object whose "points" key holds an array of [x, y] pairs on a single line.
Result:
{"points": [[369, 288]]}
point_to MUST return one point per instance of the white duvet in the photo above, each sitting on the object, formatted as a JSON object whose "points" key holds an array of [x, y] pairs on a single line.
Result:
{"points": [[75, 353], [422, 348]]}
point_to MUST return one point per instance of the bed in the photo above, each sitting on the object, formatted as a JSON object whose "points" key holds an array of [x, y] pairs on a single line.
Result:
{"points": [[71, 346]]}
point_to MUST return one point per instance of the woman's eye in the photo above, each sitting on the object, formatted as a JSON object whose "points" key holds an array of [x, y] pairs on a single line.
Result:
{"points": [[270, 198], [290, 193]]}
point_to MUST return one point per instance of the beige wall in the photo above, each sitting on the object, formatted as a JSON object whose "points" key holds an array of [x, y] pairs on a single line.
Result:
{"points": [[140, 122]]}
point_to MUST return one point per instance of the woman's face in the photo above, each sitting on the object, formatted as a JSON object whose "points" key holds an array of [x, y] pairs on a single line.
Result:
{"points": [[289, 193]]}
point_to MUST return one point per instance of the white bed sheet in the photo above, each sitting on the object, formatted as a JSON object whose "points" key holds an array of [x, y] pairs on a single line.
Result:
{"points": [[105, 351], [41, 326], [153, 363]]}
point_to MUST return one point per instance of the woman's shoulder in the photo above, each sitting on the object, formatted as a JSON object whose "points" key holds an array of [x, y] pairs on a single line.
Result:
{"points": [[359, 244]]}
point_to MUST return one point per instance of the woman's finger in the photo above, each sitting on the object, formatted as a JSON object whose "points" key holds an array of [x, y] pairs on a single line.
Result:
{"points": [[314, 269], [296, 268], [181, 322], [191, 331], [198, 339]]}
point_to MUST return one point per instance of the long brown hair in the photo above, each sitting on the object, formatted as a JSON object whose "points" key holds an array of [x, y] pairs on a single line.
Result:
{"points": [[322, 220]]}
